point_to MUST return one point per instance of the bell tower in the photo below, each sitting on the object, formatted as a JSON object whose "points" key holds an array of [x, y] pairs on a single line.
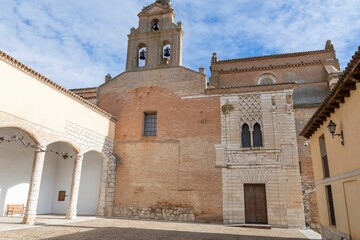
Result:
{"points": [[157, 42]]}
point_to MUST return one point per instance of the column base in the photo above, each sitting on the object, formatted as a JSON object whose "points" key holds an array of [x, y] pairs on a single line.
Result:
{"points": [[29, 220], [71, 215]]}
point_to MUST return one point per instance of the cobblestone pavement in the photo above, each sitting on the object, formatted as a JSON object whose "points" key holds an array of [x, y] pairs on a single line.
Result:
{"points": [[140, 230]]}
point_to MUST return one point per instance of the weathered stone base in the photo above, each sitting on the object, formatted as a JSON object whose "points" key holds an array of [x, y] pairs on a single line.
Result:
{"points": [[180, 214], [330, 233], [310, 208]]}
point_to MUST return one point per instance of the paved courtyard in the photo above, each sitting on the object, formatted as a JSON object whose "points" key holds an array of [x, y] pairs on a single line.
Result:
{"points": [[55, 227]]}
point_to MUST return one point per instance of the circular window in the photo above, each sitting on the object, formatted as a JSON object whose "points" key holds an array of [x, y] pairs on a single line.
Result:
{"points": [[266, 79]]}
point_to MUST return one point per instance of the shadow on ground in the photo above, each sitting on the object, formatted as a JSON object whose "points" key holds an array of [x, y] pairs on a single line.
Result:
{"points": [[110, 233]]}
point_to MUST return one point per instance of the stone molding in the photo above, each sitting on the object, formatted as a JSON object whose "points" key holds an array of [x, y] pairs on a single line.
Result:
{"points": [[295, 54], [255, 175], [270, 67]]}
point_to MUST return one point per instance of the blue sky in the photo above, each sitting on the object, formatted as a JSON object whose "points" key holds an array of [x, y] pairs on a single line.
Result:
{"points": [[77, 43]]}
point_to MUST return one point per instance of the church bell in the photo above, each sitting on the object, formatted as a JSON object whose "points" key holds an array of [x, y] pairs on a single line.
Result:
{"points": [[143, 54], [156, 26], [167, 52]]}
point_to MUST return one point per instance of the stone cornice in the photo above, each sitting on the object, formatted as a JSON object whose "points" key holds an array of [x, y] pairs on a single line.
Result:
{"points": [[270, 67], [250, 88], [282, 55], [22, 67]]}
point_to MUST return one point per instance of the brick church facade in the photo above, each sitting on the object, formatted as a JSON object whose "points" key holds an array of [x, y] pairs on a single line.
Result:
{"points": [[164, 142], [224, 150]]}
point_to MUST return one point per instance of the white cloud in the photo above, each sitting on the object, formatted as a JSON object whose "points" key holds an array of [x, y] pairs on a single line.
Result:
{"points": [[76, 43]]}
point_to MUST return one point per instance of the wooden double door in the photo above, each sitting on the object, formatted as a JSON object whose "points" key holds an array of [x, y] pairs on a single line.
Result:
{"points": [[255, 204]]}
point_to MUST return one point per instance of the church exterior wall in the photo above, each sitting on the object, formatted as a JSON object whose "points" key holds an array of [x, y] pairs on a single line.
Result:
{"points": [[172, 175], [302, 115], [275, 164]]}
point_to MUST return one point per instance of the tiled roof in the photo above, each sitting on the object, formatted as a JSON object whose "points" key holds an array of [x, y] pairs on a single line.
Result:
{"points": [[7, 58], [337, 96]]}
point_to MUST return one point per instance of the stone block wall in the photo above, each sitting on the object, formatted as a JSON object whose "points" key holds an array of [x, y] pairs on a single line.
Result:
{"points": [[169, 213], [275, 164], [302, 115]]}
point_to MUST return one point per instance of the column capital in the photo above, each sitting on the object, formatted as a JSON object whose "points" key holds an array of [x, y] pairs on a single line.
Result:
{"points": [[79, 156], [40, 148]]}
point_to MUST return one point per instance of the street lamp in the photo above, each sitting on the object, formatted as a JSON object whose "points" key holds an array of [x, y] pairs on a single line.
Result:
{"points": [[332, 128]]}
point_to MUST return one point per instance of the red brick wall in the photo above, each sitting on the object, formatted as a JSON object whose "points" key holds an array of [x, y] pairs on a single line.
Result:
{"points": [[176, 167]]}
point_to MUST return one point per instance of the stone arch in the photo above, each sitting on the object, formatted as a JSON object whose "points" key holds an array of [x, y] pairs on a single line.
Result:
{"points": [[245, 136], [16, 162], [155, 24], [142, 55], [72, 144], [93, 183], [257, 135], [35, 136], [107, 184], [57, 177], [166, 52]]}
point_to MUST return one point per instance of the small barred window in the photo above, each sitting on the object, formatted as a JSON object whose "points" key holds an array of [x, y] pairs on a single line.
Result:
{"points": [[150, 124]]}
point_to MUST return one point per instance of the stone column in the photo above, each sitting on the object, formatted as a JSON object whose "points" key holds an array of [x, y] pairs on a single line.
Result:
{"points": [[34, 188], [103, 183], [75, 185]]}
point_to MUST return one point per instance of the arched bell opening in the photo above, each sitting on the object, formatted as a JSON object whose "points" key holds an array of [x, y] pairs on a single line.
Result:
{"points": [[166, 52], [142, 55], [155, 25], [56, 178], [17, 148]]}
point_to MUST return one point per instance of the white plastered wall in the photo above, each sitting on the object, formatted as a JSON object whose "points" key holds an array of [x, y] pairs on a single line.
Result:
{"points": [[90, 184], [57, 175], [52, 116], [15, 170]]}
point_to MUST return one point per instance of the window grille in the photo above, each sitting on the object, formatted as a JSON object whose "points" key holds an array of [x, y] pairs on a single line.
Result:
{"points": [[324, 158], [330, 203], [266, 81], [150, 124]]}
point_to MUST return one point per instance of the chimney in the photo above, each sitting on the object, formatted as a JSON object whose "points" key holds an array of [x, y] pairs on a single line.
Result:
{"points": [[107, 78]]}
